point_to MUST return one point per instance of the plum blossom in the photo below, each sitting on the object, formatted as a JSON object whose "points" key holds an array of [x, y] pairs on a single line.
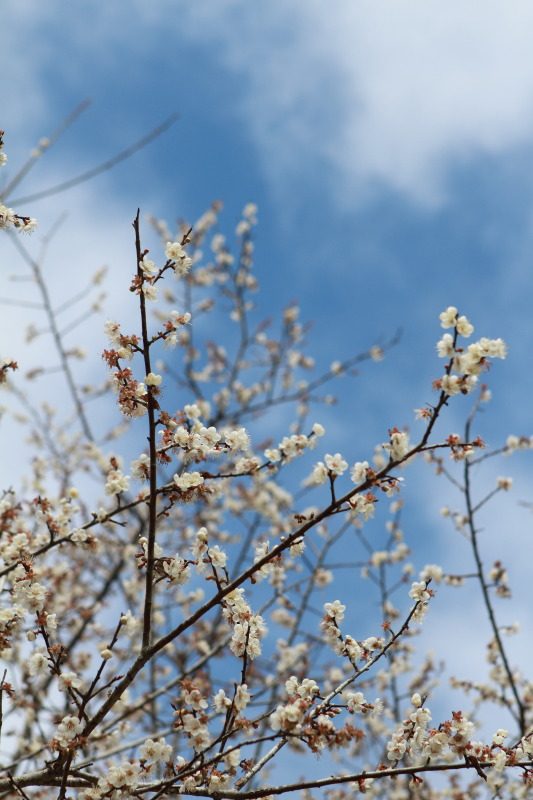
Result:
{"points": [[152, 379], [155, 751], [336, 464], [448, 318], [237, 439], [359, 471], [188, 480]]}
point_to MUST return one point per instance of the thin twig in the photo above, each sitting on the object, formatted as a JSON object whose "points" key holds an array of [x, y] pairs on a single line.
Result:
{"points": [[103, 167]]}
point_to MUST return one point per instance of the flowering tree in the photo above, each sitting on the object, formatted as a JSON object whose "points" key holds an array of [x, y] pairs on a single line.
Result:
{"points": [[159, 624]]}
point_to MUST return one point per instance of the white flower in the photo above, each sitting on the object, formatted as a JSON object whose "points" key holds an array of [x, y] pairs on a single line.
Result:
{"points": [[182, 266], [152, 379], [293, 446], [7, 216], [445, 346], [156, 750], [149, 291], [218, 557], [112, 330], [232, 759], [242, 697], [182, 436], [379, 557], [217, 242], [188, 480], [272, 454], [363, 504], [355, 702], [433, 571], [318, 475], [450, 384], [148, 267], [399, 445], [500, 735], [247, 637], [28, 594], [140, 467], [221, 702], [177, 570], [174, 251], [126, 774], [448, 318], [495, 348], [238, 439], [419, 591], [249, 212], [116, 482], [464, 327], [372, 643], [68, 729], [336, 464], [38, 663], [335, 610], [323, 577], [192, 411], [359, 470], [130, 623], [69, 680]]}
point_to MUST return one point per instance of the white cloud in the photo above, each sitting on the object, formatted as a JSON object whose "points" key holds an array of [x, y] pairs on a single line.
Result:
{"points": [[384, 93], [378, 94]]}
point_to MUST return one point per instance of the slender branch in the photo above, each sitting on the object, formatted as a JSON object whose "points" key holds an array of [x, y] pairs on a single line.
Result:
{"points": [[359, 778], [485, 589], [56, 335], [105, 166], [52, 139]]}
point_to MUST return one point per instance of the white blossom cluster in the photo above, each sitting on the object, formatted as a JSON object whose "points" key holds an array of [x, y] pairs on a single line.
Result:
{"points": [[466, 365], [175, 252], [248, 628], [346, 645], [295, 445], [289, 717], [120, 780]]}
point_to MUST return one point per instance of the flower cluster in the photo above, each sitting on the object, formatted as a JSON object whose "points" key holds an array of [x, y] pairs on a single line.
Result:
{"points": [[181, 262], [248, 628], [465, 365], [289, 717]]}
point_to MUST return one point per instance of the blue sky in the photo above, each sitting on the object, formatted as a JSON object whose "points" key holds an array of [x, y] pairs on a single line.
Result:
{"points": [[390, 163], [388, 146]]}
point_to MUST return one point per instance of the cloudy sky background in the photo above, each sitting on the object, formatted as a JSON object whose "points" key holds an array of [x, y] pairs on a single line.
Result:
{"points": [[389, 148]]}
